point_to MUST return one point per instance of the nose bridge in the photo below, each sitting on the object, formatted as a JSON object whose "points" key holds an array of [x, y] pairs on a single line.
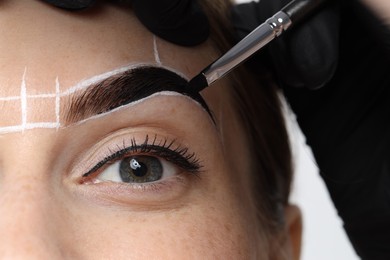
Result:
{"points": [[27, 210]]}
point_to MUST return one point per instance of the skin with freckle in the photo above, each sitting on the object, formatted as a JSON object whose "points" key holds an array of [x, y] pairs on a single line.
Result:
{"points": [[50, 209]]}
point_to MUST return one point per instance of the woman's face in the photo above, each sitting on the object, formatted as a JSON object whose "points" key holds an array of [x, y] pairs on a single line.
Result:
{"points": [[153, 179]]}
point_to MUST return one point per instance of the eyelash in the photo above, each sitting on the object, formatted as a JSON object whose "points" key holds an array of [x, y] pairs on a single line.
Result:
{"points": [[180, 156]]}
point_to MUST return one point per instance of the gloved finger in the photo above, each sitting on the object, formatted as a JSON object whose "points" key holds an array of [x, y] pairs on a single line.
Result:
{"points": [[71, 4], [307, 55], [178, 21]]}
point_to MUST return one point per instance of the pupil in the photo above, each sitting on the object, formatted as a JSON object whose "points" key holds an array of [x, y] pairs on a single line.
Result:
{"points": [[140, 169]]}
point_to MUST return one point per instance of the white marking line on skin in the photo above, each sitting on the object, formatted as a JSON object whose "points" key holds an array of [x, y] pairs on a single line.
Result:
{"points": [[90, 81], [23, 100], [98, 78], [9, 98], [55, 125], [49, 95], [57, 108], [78, 87], [162, 93], [28, 126], [12, 98], [155, 51]]}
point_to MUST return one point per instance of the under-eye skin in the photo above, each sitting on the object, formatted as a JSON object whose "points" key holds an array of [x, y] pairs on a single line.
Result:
{"points": [[149, 163]]}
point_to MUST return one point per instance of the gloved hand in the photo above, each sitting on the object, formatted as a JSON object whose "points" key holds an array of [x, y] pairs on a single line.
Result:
{"points": [[178, 21], [305, 56], [346, 122]]}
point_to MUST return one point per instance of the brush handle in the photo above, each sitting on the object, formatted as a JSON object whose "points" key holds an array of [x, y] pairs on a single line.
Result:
{"points": [[254, 41], [257, 39], [300, 9]]}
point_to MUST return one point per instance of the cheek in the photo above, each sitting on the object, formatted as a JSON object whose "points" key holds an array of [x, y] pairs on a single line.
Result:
{"points": [[198, 232]]}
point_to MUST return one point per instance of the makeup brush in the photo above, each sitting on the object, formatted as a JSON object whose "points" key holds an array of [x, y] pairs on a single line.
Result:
{"points": [[273, 27]]}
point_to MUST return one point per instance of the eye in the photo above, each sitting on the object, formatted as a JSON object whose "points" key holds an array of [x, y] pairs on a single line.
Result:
{"points": [[138, 169], [148, 173]]}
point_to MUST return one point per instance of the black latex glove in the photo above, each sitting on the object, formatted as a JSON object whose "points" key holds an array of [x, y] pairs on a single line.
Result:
{"points": [[178, 21], [347, 121], [307, 55], [71, 4]]}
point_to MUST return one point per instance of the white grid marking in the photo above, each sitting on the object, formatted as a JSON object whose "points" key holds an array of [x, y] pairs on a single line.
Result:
{"points": [[9, 98], [88, 82], [155, 51], [48, 95], [57, 96], [58, 103], [23, 100]]}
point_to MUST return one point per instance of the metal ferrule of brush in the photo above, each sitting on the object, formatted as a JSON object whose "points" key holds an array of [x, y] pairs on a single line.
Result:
{"points": [[263, 34]]}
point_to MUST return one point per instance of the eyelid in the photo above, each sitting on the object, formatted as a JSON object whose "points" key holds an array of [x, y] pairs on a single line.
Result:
{"points": [[169, 193], [187, 161], [127, 144]]}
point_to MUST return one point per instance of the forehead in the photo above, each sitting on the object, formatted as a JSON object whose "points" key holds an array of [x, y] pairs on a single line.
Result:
{"points": [[51, 43], [46, 52]]}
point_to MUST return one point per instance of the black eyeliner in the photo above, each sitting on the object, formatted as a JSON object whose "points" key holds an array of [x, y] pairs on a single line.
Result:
{"points": [[178, 156]]}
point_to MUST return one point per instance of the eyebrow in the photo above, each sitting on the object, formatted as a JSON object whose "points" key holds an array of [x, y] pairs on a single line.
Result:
{"points": [[127, 87]]}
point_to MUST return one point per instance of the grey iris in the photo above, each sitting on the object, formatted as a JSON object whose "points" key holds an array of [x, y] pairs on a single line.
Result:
{"points": [[140, 169]]}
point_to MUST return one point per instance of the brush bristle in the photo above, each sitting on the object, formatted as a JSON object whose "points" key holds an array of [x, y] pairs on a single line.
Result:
{"points": [[198, 83]]}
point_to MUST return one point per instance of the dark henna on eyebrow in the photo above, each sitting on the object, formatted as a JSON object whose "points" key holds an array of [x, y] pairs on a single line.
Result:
{"points": [[127, 87]]}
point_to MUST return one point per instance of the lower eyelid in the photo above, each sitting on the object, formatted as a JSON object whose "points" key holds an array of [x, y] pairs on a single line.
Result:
{"points": [[170, 193], [140, 186]]}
